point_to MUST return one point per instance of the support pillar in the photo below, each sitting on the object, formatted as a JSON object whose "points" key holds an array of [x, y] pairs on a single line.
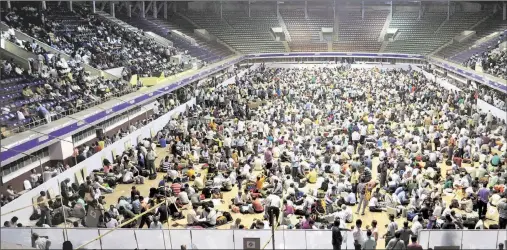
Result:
{"points": [[43, 5], [93, 7], [8, 4], [420, 10], [155, 10], [221, 11], [362, 10], [143, 10], [334, 9], [392, 10], [504, 11], [129, 9], [112, 9], [165, 9], [70, 6], [306, 9], [277, 9], [249, 11], [448, 9]]}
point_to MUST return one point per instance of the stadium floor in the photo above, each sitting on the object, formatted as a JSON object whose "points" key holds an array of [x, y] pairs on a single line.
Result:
{"points": [[247, 219]]}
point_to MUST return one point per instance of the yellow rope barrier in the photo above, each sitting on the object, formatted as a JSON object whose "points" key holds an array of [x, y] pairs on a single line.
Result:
{"points": [[270, 238], [121, 225]]}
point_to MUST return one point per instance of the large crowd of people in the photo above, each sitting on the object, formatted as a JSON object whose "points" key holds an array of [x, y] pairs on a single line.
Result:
{"points": [[88, 39], [493, 61], [311, 148]]}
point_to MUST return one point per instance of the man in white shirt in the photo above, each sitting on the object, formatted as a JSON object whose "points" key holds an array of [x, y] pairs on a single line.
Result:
{"points": [[357, 233], [40, 242], [183, 197], [208, 218], [128, 177], [273, 203], [192, 216], [417, 226], [346, 214]]}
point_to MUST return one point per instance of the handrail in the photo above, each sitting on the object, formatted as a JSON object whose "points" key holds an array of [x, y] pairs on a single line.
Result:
{"points": [[469, 72]]}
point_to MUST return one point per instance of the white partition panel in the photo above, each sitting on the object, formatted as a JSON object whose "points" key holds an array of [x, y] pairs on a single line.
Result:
{"points": [[445, 238], [55, 235], [150, 239], [80, 236], [321, 239], [118, 239], [424, 238], [502, 238], [349, 239], [294, 239], [178, 238], [21, 236], [479, 239], [263, 235], [279, 240], [212, 239]]}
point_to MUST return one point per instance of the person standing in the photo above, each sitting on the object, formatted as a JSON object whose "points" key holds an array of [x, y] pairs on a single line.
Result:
{"points": [[336, 235], [392, 227], [370, 242], [502, 212], [483, 199], [357, 233], [414, 245], [273, 204], [396, 242], [361, 190], [45, 214], [405, 233], [150, 160]]}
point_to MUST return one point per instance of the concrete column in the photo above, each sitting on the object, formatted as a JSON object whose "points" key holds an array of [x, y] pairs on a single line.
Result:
{"points": [[448, 9], [165, 9], [277, 9], [420, 10], [62, 149], [129, 9], [8, 4], [112, 10], [221, 11], [155, 10], [249, 11], [334, 10], [392, 9], [306, 9], [70, 6], [504, 11], [143, 10], [362, 10], [43, 5], [93, 6]]}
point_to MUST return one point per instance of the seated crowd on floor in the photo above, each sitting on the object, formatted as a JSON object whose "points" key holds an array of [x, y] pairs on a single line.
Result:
{"points": [[493, 61], [298, 146]]}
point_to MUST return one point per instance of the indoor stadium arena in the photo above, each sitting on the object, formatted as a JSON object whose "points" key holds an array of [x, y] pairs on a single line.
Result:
{"points": [[253, 124]]}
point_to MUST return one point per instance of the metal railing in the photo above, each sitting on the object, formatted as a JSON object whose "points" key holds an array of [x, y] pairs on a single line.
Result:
{"points": [[37, 121]]}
